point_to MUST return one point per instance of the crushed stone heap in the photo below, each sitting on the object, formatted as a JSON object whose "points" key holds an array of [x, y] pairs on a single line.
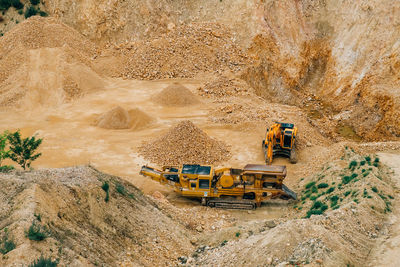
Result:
{"points": [[185, 143], [183, 53], [176, 95]]}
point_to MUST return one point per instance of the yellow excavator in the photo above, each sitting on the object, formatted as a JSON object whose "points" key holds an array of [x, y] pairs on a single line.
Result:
{"points": [[280, 141], [226, 187]]}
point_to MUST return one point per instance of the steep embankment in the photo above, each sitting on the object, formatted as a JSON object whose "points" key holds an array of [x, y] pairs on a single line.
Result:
{"points": [[85, 225]]}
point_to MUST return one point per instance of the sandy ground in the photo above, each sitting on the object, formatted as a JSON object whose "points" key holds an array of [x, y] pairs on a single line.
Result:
{"points": [[388, 246], [70, 138]]}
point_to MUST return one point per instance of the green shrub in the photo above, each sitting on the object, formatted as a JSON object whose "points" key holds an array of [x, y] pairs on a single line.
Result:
{"points": [[390, 196], [7, 243], [314, 189], [346, 179], [17, 4], [330, 190], [120, 189], [317, 208], [336, 207], [382, 196], [36, 232], [35, 2], [374, 189], [334, 199], [365, 193], [368, 158], [354, 175], [365, 174], [224, 243], [6, 168], [21, 11], [237, 234], [323, 185], [42, 13], [5, 4], [43, 262], [362, 163], [313, 198], [347, 193], [352, 164], [31, 11], [355, 200], [310, 184], [106, 188]]}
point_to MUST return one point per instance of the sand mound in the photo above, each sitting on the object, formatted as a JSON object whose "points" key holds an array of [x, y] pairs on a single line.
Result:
{"points": [[116, 118], [45, 63], [139, 119], [119, 118], [46, 78], [185, 143], [176, 95], [38, 32]]}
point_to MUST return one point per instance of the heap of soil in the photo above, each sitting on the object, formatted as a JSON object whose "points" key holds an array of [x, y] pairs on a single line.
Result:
{"points": [[44, 63], [176, 95], [38, 32], [119, 118], [185, 144]]}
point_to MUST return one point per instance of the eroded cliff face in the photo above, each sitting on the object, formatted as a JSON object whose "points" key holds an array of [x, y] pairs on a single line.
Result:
{"points": [[342, 57], [119, 21]]}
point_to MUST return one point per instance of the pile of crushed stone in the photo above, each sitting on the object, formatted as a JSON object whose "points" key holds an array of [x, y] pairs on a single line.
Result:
{"points": [[120, 118], [185, 144], [183, 53], [176, 95], [225, 86]]}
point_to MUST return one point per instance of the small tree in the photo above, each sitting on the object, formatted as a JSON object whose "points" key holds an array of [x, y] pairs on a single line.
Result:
{"points": [[22, 150], [4, 153]]}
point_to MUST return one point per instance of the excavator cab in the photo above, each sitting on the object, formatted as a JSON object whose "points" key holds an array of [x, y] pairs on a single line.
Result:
{"points": [[280, 141]]}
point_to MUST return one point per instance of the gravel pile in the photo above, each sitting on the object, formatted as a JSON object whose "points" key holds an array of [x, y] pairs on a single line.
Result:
{"points": [[176, 95], [225, 86], [184, 52], [185, 144]]}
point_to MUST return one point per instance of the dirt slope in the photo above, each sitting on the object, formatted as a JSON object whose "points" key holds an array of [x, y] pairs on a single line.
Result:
{"points": [[83, 228], [344, 234]]}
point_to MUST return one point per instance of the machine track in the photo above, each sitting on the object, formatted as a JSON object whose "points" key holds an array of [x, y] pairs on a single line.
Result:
{"points": [[232, 204]]}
